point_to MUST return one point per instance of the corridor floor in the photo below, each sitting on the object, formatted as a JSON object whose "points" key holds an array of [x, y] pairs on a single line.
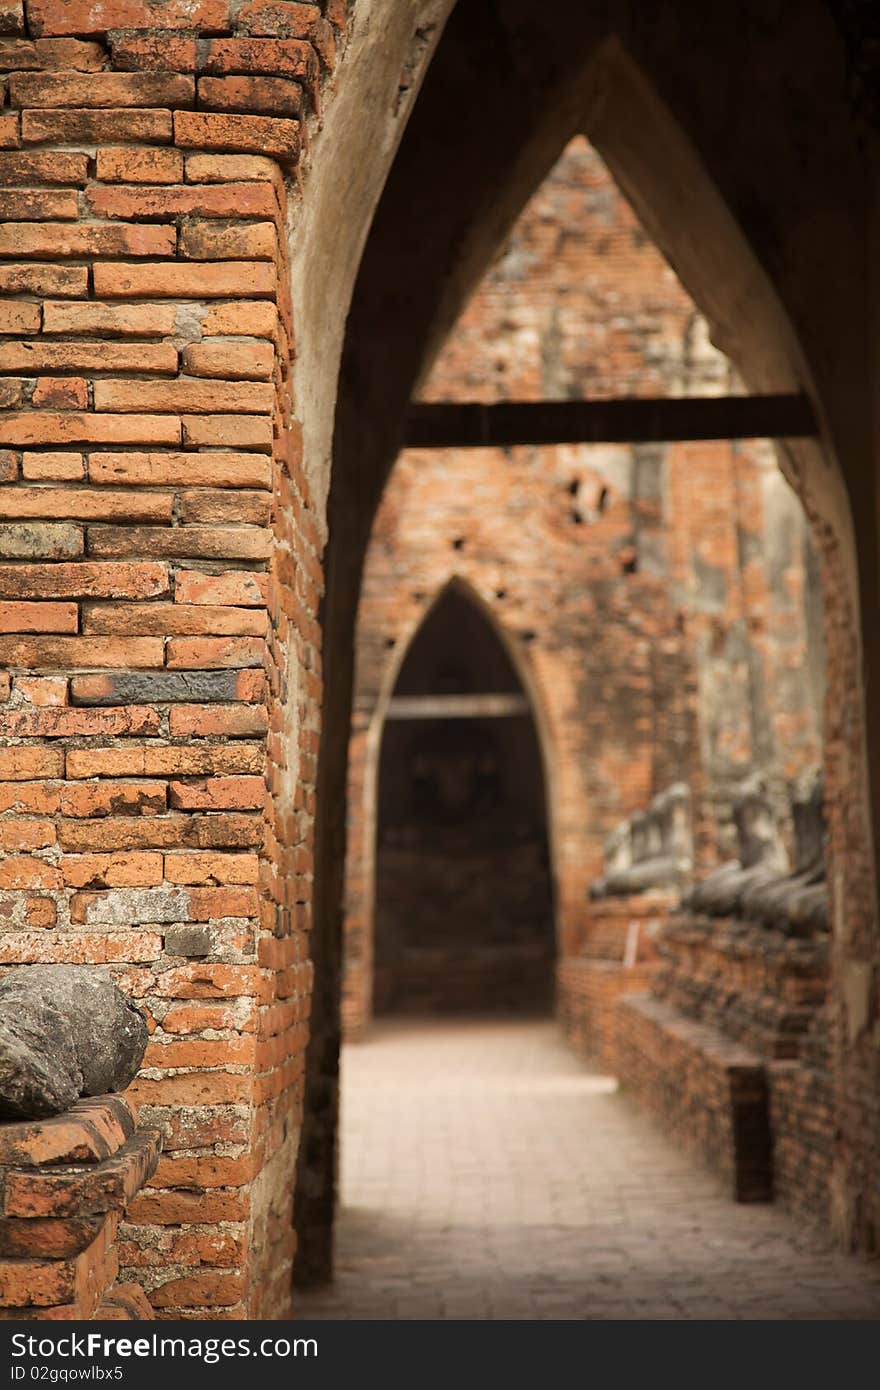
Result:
{"points": [[488, 1173]]}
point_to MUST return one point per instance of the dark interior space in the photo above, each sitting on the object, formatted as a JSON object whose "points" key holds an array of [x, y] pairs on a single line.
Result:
{"points": [[464, 910]]}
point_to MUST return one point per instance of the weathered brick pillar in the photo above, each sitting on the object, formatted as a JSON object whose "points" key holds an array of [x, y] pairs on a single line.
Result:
{"points": [[159, 581], [64, 1184]]}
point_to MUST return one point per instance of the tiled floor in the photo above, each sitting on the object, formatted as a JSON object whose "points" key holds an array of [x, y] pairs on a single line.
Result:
{"points": [[488, 1173]]}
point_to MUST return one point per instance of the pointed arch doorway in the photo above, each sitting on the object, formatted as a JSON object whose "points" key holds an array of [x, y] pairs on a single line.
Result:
{"points": [[463, 917]]}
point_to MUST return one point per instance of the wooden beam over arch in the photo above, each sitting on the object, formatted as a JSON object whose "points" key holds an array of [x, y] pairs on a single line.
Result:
{"points": [[631, 420]]}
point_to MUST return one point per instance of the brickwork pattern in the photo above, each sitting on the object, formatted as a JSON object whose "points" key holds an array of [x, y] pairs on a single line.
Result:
{"points": [[652, 597], [587, 992], [159, 581], [65, 1183]]}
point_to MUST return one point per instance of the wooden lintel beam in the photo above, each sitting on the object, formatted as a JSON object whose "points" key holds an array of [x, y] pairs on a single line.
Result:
{"points": [[471, 425], [456, 706]]}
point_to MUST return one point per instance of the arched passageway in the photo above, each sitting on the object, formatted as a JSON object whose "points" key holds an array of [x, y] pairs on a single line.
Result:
{"points": [[463, 916], [170, 387], [420, 291]]}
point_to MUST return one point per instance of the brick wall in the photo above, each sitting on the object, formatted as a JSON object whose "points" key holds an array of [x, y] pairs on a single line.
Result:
{"points": [[652, 598], [65, 1184], [159, 580]]}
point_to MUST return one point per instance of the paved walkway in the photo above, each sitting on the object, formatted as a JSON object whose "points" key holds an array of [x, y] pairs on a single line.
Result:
{"points": [[487, 1173]]}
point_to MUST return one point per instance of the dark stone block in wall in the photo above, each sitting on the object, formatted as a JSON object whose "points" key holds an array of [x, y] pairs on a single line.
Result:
{"points": [[154, 687], [188, 941]]}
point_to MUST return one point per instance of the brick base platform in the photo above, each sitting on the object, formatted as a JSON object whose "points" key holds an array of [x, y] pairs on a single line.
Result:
{"points": [[709, 1093], [587, 992], [65, 1183]]}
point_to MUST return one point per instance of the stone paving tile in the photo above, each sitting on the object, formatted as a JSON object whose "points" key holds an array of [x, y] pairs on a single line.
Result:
{"points": [[487, 1173]]}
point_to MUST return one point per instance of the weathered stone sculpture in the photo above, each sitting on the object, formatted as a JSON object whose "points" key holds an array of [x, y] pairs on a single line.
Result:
{"points": [[65, 1031], [651, 850], [797, 903], [762, 857]]}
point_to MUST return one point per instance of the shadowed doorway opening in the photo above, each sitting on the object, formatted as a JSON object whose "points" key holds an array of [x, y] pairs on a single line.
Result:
{"points": [[464, 901]]}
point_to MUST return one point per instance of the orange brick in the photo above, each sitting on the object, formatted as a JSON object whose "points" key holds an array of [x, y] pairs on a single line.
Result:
{"points": [[187, 542], [26, 764], [100, 89], [274, 135], [60, 393], [229, 200], [287, 57], [208, 1170], [10, 131], [192, 1088], [205, 721], [80, 17], [204, 506], [121, 870], [81, 723], [254, 319], [40, 356], [61, 468], [142, 319], [81, 651], [214, 653], [78, 948], [204, 980], [40, 912], [25, 872], [192, 470], [30, 798], [29, 167], [241, 588], [185, 280], [251, 95], [228, 431], [181, 1207], [115, 126], [151, 760], [66, 239], [169, 619], [44, 427], [42, 690], [113, 798], [22, 835], [229, 168], [127, 164], [38, 617], [21, 318], [154, 832], [229, 241], [23, 277], [84, 579], [232, 361], [184, 394], [209, 868], [218, 794], [195, 1018], [25, 205]]}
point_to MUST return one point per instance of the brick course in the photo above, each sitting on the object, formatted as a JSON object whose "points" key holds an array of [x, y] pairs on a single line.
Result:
{"points": [[65, 1184]]}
